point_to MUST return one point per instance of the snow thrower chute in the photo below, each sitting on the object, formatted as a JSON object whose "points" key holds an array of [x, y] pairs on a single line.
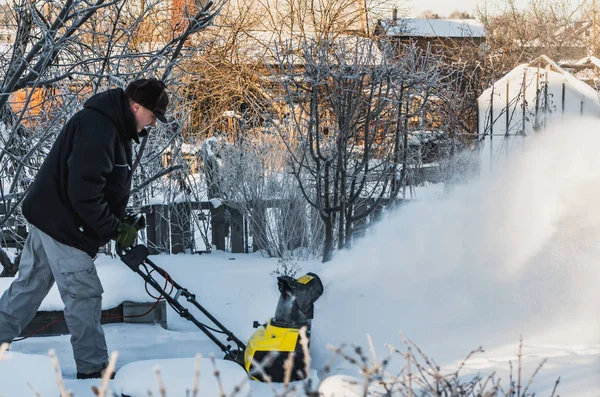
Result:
{"points": [[270, 344]]}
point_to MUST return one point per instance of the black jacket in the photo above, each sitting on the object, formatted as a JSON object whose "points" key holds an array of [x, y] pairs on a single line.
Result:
{"points": [[80, 193]]}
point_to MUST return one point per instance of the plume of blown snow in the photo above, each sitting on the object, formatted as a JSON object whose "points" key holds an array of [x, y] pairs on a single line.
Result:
{"points": [[514, 253]]}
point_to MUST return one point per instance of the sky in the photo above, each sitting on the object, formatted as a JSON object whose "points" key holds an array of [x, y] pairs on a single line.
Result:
{"points": [[444, 7]]}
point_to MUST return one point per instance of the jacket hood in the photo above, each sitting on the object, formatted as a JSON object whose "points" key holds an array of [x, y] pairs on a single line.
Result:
{"points": [[115, 105]]}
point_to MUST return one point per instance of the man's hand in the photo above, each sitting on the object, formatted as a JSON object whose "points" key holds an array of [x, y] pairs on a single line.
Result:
{"points": [[126, 235], [136, 220], [127, 231]]}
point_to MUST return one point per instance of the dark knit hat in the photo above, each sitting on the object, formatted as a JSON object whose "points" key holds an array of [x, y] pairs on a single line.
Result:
{"points": [[151, 94]]}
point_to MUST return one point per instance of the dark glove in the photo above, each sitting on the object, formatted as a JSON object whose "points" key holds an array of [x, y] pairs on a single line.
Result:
{"points": [[127, 230], [136, 220], [126, 235]]}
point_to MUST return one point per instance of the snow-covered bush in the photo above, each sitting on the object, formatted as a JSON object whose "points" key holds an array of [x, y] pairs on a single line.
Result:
{"points": [[253, 178], [419, 376], [286, 267]]}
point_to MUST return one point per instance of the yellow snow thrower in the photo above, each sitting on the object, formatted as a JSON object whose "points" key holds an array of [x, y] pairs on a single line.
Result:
{"points": [[271, 343]]}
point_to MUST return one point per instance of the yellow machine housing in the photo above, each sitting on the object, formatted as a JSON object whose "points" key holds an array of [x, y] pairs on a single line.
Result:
{"points": [[271, 343]]}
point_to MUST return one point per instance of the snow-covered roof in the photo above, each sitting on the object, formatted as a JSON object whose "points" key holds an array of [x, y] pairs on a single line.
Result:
{"points": [[585, 90], [577, 27], [589, 60], [424, 27]]}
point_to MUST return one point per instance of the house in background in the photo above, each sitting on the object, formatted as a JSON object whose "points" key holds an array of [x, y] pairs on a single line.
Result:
{"points": [[575, 40], [586, 69], [445, 34], [459, 43], [523, 102]]}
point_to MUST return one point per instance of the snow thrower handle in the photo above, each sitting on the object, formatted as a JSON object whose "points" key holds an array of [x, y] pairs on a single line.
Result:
{"points": [[133, 257]]}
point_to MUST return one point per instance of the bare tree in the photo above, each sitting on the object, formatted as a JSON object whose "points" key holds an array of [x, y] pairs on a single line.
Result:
{"points": [[516, 36], [348, 131], [456, 14], [429, 14], [231, 87], [65, 51]]}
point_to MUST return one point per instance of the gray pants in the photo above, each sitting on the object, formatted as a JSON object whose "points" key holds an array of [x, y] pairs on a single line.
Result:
{"points": [[43, 261]]}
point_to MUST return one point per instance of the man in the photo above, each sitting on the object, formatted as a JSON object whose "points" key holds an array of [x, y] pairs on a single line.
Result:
{"points": [[75, 206]]}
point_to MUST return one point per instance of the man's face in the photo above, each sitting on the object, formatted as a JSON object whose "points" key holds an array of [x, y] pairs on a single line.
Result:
{"points": [[143, 117]]}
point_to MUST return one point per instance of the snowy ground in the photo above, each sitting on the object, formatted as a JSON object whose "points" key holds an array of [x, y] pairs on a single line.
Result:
{"points": [[237, 288], [513, 256]]}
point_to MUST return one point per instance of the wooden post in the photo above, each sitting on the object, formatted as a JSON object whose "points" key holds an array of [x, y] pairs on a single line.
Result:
{"points": [[157, 228], [181, 228], [259, 211], [237, 232], [295, 227], [594, 31], [477, 118], [546, 104], [364, 19], [217, 224], [360, 226], [507, 108], [492, 126], [563, 97], [245, 235], [537, 99], [492, 112], [524, 89]]}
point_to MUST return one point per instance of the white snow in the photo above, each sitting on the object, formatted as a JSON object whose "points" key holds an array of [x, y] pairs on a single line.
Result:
{"points": [[589, 59], [513, 255], [341, 386], [178, 378], [426, 191], [208, 145], [23, 373], [232, 113], [215, 202]]}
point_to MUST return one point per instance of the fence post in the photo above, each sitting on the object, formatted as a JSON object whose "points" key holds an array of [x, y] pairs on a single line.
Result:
{"points": [[259, 216], [237, 232], [492, 126], [563, 98], [507, 108], [157, 228], [218, 227], [181, 228], [524, 93], [537, 99]]}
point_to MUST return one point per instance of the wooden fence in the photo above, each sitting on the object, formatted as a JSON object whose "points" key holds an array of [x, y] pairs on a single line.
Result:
{"points": [[170, 227]]}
